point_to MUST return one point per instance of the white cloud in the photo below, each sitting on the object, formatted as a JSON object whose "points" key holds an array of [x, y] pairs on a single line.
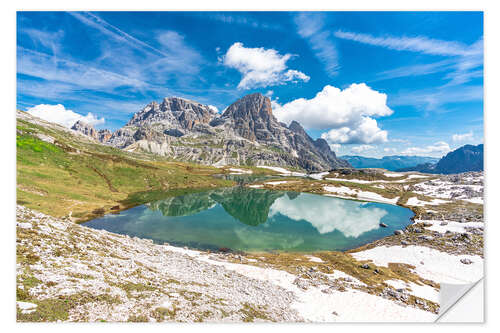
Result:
{"points": [[260, 67], [50, 68], [349, 217], [310, 26], [433, 99], [465, 64], [362, 148], [437, 148], [346, 113], [416, 70], [214, 108], [415, 44], [400, 140], [110, 30], [366, 131], [60, 115], [335, 147], [462, 137], [241, 20], [390, 150]]}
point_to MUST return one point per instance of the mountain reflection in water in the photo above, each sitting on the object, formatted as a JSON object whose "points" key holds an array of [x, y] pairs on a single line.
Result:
{"points": [[257, 219]]}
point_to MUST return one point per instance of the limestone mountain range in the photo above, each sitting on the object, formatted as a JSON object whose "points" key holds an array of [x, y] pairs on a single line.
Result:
{"points": [[246, 133]]}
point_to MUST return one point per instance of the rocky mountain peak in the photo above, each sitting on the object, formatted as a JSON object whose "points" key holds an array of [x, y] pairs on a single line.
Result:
{"points": [[246, 133], [83, 127], [297, 128], [253, 119], [89, 130], [254, 105], [173, 113]]}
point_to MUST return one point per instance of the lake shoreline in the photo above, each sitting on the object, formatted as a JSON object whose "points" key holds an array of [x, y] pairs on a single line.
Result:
{"points": [[60, 271], [318, 286]]}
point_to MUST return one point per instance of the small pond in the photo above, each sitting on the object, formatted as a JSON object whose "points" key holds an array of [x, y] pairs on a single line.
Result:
{"points": [[252, 220]]}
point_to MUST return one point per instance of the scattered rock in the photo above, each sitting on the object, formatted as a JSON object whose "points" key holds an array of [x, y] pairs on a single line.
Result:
{"points": [[383, 225], [365, 266], [398, 232], [466, 261], [301, 283]]}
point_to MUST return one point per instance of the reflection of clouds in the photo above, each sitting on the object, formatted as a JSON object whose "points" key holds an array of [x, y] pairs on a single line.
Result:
{"points": [[328, 214], [259, 239]]}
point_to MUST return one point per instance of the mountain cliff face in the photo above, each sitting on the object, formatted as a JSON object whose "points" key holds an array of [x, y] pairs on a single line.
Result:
{"points": [[247, 133], [89, 130], [466, 158], [463, 159]]}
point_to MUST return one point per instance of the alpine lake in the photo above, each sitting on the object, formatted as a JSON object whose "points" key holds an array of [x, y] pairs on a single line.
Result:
{"points": [[255, 220]]}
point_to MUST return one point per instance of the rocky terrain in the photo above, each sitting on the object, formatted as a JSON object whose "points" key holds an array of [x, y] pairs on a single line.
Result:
{"points": [[68, 272], [79, 274], [89, 130], [247, 133], [464, 159]]}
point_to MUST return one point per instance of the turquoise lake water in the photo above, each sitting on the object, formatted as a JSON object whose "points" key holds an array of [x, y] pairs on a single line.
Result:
{"points": [[249, 219]]}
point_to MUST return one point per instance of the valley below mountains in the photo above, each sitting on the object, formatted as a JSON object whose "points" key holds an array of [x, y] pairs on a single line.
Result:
{"points": [[246, 133]]}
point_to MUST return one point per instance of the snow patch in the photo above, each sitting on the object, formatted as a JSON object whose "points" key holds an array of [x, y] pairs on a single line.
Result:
{"points": [[431, 264], [390, 174]]}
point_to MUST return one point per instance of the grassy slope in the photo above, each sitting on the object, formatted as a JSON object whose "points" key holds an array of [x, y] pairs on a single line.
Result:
{"points": [[87, 179]]}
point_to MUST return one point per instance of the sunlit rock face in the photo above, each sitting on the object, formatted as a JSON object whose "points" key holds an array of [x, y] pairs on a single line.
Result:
{"points": [[89, 130], [247, 133], [351, 218]]}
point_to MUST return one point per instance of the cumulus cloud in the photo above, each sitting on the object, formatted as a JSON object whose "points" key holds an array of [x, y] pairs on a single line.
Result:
{"points": [[335, 108], [213, 108], [60, 115], [462, 137], [362, 148], [390, 150], [347, 114], [335, 146], [364, 131], [260, 67], [437, 148], [349, 217]]}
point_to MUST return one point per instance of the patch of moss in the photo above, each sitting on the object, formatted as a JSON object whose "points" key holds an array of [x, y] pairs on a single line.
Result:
{"points": [[161, 313], [141, 318], [54, 309], [251, 312]]}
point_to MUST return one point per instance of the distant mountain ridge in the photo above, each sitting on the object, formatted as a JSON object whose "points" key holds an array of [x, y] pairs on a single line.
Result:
{"points": [[391, 163], [247, 133], [464, 159]]}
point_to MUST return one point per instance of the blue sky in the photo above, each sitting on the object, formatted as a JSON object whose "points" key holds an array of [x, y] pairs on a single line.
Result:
{"points": [[370, 83]]}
